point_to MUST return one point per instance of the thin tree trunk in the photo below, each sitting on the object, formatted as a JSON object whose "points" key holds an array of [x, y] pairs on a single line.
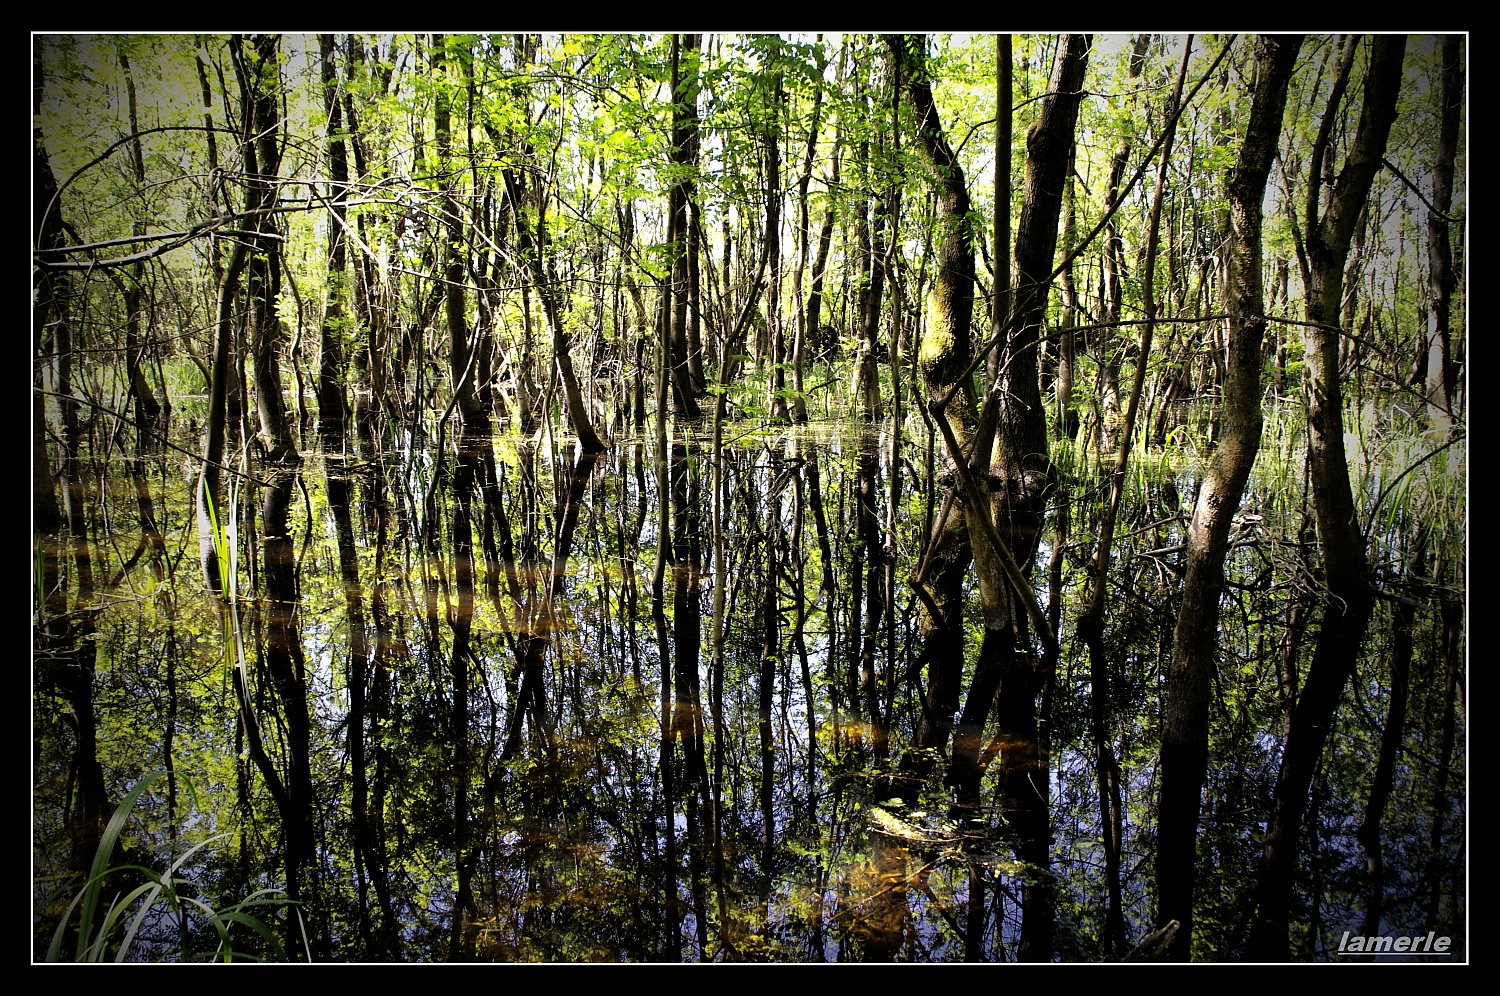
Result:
{"points": [[454, 268], [147, 409], [332, 405], [1067, 415], [799, 343], [1391, 735], [1091, 621], [684, 156], [260, 83], [562, 345], [1442, 371], [772, 140]]}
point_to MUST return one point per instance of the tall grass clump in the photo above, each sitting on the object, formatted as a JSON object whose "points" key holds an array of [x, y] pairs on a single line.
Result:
{"points": [[98, 929]]}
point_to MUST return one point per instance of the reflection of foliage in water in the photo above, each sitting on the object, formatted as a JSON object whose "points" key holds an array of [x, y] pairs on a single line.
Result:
{"points": [[569, 839]]}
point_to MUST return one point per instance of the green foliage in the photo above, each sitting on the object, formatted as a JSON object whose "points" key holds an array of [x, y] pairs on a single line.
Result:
{"points": [[163, 887], [562, 839]]}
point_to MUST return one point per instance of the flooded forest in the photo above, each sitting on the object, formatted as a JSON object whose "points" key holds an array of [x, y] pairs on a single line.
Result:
{"points": [[803, 498]]}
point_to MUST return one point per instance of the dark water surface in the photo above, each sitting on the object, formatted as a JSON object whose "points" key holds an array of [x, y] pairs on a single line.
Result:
{"points": [[519, 703]]}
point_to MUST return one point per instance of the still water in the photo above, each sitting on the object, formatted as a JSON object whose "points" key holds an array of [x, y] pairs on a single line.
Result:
{"points": [[519, 703]]}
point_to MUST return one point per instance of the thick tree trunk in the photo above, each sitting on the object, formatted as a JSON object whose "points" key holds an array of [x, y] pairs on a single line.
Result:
{"points": [[1021, 461], [260, 65], [942, 356], [1347, 611], [946, 346], [1184, 750]]}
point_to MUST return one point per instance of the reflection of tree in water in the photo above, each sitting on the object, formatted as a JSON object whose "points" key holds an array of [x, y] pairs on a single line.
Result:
{"points": [[727, 688], [501, 785]]}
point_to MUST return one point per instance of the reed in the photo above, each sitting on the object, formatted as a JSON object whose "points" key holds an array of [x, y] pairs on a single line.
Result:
{"points": [[93, 945]]}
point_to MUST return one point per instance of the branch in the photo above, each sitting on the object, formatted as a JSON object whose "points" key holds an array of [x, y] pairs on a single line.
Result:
{"points": [[1421, 196], [160, 437], [1018, 308]]}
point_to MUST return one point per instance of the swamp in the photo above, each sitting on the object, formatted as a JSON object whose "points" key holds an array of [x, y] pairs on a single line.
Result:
{"points": [[749, 498]]}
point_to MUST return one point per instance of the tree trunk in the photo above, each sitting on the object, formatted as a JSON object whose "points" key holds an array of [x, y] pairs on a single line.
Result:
{"points": [[1091, 621], [687, 369], [455, 270], [562, 345], [1347, 611], [773, 249], [1022, 460], [332, 405], [799, 343], [1184, 750], [260, 82], [1393, 731], [1442, 371], [1067, 415], [943, 354], [147, 409]]}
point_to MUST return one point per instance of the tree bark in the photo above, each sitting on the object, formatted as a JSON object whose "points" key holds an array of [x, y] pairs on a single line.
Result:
{"points": [[332, 404], [1184, 750], [1442, 371], [260, 83], [1021, 461], [1347, 611]]}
